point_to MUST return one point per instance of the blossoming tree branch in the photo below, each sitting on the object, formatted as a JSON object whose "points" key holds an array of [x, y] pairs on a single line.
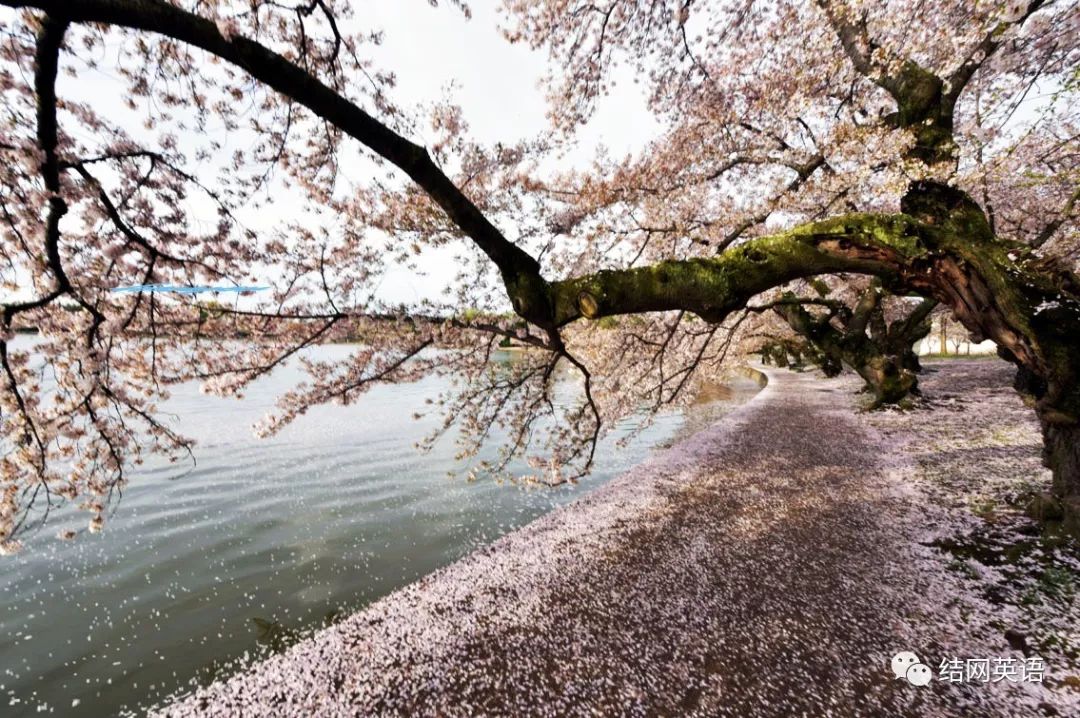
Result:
{"points": [[932, 147]]}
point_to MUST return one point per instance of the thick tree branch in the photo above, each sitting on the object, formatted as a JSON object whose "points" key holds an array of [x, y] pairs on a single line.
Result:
{"points": [[882, 245], [918, 315], [853, 38], [47, 64], [520, 271], [869, 302]]}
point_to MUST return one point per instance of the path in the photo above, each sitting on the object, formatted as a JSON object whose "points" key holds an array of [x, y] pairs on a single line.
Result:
{"points": [[759, 568]]}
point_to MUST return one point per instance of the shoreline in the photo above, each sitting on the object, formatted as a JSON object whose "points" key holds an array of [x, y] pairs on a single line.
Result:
{"points": [[750, 568]]}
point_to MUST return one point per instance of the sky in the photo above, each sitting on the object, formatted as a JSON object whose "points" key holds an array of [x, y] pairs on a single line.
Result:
{"points": [[497, 85], [436, 53]]}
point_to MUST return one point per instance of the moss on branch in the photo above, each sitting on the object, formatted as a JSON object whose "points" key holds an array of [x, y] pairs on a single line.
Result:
{"points": [[882, 245]]}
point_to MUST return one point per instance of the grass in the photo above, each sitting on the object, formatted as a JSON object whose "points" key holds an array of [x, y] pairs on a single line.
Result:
{"points": [[958, 356]]}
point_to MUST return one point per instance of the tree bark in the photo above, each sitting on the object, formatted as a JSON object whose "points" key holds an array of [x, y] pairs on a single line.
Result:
{"points": [[903, 334], [883, 358], [1061, 453]]}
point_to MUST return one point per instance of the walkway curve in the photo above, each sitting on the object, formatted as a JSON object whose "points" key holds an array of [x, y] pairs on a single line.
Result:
{"points": [[753, 569]]}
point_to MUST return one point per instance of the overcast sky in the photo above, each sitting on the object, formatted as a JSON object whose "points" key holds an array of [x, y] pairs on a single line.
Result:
{"points": [[497, 85], [497, 81], [435, 53]]}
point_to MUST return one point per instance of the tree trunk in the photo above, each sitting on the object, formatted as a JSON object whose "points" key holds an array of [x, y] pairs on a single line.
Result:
{"points": [[1062, 454], [888, 379], [884, 358]]}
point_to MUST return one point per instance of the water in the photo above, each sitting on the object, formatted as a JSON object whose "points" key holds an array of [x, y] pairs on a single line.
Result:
{"points": [[202, 570]]}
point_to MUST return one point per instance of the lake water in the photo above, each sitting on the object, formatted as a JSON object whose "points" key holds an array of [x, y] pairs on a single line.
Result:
{"points": [[202, 570]]}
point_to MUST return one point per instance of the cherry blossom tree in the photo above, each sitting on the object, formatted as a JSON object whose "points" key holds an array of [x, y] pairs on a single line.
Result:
{"points": [[930, 145], [879, 348]]}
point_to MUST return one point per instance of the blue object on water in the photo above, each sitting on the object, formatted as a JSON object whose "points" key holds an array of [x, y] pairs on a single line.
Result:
{"points": [[184, 290]]}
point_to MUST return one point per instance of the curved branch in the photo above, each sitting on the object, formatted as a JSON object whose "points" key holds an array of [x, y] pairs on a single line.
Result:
{"points": [[520, 271], [865, 308], [906, 326], [853, 38], [881, 245], [834, 306], [47, 60]]}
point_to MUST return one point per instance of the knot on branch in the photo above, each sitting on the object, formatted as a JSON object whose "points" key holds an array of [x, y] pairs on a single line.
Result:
{"points": [[530, 297], [588, 306]]}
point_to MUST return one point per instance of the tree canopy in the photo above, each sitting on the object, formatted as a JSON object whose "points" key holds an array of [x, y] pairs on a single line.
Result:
{"points": [[933, 146]]}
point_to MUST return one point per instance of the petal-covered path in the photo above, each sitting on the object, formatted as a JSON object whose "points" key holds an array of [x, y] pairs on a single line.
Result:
{"points": [[766, 566]]}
